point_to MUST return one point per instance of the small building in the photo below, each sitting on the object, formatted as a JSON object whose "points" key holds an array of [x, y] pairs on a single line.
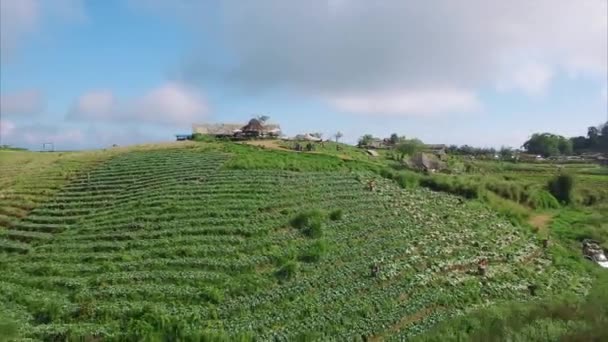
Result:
{"points": [[217, 130], [183, 137], [253, 129], [439, 150]]}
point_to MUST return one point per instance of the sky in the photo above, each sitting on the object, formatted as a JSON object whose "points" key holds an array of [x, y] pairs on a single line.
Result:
{"points": [[89, 74]]}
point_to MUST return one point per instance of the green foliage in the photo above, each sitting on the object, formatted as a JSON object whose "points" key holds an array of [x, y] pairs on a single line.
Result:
{"points": [[253, 158], [455, 185], [310, 223], [11, 148], [409, 147], [564, 319], [336, 215], [314, 252], [203, 137], [547, 144], [8, 329], [176, 245], [541, 199], [405, 179], [365, 140], [287, 270], [562, 188]]}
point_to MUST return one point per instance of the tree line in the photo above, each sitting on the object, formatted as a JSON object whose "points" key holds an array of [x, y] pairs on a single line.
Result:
{"points": [[547, 144]]}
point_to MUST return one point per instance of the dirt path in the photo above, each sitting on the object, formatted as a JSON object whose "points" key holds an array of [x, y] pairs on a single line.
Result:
{"points": [[540, 221], [271, 144]]}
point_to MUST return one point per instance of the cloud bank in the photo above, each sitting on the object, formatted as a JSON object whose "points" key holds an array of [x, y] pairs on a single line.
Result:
{"points": [[30, 102], [169, 104], [20, 18], [351, 54]]}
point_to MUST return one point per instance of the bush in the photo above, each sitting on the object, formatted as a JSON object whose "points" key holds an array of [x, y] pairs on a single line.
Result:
{"points": [[310, 223], [407, 180], [404, 179], [336, 215], [542, 199], [287, 270], [562, 188], [315, 252], [454, 185]]}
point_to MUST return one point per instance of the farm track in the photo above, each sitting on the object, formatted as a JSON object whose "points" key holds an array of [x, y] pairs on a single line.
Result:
{"points": [[172, 235]]}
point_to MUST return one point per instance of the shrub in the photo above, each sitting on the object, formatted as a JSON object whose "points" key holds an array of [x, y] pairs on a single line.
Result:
{"points": [[454, 185], [541, 199], [407, 179], [310, 223], [315, 252], [336, 215], [287, 270], [562, 188]]}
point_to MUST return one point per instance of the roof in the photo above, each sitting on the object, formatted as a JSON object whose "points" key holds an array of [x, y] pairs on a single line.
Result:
{"points": [[216, 129], [254, 125]]}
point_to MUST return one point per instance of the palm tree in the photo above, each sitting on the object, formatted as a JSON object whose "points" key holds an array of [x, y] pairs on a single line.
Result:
{"points": [[338, 135]]}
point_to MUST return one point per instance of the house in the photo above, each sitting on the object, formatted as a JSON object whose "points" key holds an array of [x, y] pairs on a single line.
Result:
{"points": [[376, 143], [217, 130], [183, 137], [254, 128], [439, 150]]}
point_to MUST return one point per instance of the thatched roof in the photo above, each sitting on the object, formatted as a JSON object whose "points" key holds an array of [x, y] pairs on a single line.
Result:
{"points": [[216, 129], [254, 125]]}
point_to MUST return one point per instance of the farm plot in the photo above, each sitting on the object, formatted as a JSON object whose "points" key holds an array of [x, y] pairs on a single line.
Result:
{"points": [[169, 243]]}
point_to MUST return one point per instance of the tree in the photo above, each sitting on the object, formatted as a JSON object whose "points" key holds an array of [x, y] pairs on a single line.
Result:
{"points": [[338, 135], [564, 145], [317, 135], [365, 140], [263, 118], [562, 188], [394, 139], [547, 144], [409, 147], [506, 153], [593, 134], [579, 143]]}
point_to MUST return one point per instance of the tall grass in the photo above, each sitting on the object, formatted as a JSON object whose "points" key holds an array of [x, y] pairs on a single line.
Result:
{"points": [[558, 319]]}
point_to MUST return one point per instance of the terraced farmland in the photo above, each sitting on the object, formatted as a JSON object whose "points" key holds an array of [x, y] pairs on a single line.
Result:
{"points": [[173, 244]]}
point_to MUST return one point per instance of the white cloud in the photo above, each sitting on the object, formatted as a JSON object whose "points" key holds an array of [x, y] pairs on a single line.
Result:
{"points": [[94, 105], [20, 18], [532, 79], [409, 102], [171, 103], [33, 136], [22, 103], [366, 48], [17, 18], [6, 128]]}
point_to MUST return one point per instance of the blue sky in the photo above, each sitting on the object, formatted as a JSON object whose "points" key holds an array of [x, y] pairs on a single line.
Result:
{"points": [[89, 74]]}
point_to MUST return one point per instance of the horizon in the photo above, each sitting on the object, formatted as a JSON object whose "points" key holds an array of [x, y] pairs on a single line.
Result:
{"points": [[90, 74]]}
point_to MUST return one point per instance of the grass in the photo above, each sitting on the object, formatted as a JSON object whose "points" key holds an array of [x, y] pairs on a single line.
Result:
{"points": [[221, 241]]}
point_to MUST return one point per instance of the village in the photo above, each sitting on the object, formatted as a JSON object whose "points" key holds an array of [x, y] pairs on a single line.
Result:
{"points": [[422, 157]]}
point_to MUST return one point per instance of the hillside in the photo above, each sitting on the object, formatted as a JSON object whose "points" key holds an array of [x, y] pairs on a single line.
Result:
{"points": [[199, 241]]}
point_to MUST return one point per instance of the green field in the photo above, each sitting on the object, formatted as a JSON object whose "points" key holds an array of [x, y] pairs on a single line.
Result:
{"points": [[197, 242]]}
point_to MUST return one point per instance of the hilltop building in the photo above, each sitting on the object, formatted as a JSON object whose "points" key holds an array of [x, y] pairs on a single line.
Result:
{"points": [[253, 129]]}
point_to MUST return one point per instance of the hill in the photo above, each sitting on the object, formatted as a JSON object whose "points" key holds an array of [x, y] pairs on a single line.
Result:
{"points": [[218, 241]]}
